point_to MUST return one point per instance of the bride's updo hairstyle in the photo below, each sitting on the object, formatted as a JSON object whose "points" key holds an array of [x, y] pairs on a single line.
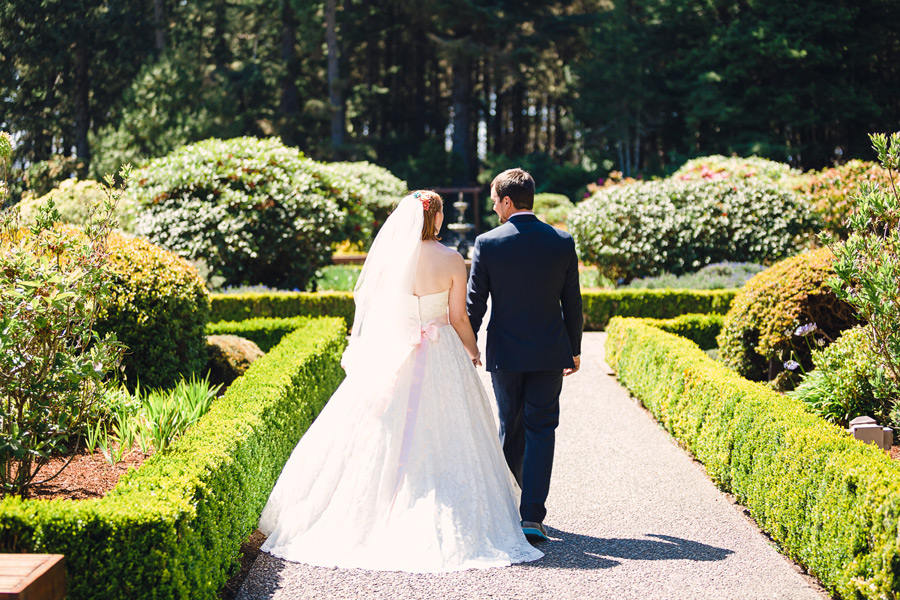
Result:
{"points": [[432, 205]]}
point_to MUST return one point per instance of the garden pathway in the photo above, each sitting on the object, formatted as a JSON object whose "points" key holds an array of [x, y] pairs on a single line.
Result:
{"points": [[630, 513]]}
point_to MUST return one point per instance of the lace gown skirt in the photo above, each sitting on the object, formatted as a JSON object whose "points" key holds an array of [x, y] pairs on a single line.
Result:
{"points": [[407, 475]]}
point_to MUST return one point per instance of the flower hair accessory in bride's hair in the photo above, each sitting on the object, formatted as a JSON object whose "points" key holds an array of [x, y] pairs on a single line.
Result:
{"points": [[425, 200]]}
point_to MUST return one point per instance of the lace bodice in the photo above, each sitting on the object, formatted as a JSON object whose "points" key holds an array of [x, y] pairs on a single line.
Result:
{"points": [[433, 306]]}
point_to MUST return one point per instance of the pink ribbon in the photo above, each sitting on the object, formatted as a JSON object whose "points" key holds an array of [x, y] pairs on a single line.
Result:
{"points": [[430, 333]]}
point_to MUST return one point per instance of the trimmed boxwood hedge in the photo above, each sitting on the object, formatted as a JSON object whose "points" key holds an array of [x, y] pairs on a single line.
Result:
{"points": [[700, 329], [239, 307], [265, 333], [173, 528], [599, 305], [831, 502]]}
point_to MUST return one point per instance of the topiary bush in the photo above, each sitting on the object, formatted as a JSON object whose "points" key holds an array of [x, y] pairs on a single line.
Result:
{"points": [[73, 199], [718, 167], [553, 208], [158, 308], [847, 381], [830, 192], [255, 211], [678, 227], [765, 327]]}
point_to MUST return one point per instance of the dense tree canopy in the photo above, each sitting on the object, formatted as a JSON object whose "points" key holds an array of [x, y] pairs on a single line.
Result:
{"points": [[439, 90]]}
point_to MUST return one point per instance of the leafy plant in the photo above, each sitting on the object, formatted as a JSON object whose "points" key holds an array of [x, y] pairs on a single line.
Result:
{"points": [[867, 264], [376, 187], [717, 168], [337, 278], [764, 327], [553, 208], [717, 276], [54, 282], [257, 211], [149, 417], [159, 306], [847, 381], [648, 228], [590, 277], [830, 192], [73, 199]]}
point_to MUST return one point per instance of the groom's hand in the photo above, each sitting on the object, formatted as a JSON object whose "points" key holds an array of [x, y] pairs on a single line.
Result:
{"points": [[577, 361]]}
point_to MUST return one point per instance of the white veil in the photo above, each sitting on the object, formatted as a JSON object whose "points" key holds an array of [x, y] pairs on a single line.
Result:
{"points": [[386, 326]]}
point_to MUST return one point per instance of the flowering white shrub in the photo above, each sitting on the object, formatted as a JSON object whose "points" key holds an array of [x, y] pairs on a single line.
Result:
{"points": [[673, 226]]}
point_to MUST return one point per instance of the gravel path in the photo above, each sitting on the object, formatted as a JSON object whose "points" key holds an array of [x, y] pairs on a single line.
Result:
{"points": [[631, 516]]}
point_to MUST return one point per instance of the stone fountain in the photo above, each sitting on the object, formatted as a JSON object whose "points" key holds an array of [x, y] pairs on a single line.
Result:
{"points": [[460, 228]]}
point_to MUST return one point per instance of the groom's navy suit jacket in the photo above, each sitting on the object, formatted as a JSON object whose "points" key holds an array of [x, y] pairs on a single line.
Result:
{"points": [[530, 270]]}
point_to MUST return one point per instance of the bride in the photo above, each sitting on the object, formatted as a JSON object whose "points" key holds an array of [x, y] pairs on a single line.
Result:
{"points": [[403, 470]]}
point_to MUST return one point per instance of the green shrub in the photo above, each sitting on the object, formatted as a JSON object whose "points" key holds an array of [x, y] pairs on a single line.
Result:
{"points": [[553, 208], [377, 187], [173, 528], [717, 167], [830, 192], [680, 226], [264, 332], [700, 329], [760, 332], [717, 276], [55, 364], [337, 278], [600, 306], [867, 264], [829, 501], [158, 308], [847, 381], [254, 210], [238, 307], [73, 200], [590, 277]]}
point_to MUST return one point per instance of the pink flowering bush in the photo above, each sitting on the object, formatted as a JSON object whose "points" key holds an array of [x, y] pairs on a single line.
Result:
{"points": [[717, 168]]}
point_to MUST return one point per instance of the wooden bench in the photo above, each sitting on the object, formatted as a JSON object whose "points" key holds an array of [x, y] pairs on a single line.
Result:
{"points": [[32, 577]]}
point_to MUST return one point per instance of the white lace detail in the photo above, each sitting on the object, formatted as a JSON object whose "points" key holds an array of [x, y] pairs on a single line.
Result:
{"points": [[456, 507]]}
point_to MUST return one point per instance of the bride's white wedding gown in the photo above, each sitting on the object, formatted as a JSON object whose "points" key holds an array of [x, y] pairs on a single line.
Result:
{"points": [[402, 474]]}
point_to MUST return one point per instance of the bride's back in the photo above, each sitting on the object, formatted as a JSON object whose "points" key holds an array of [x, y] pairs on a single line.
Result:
{"points": [[434, 273]]}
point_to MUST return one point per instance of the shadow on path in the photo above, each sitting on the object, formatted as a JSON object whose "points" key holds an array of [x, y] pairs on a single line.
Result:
{"points": [[573, 551]]}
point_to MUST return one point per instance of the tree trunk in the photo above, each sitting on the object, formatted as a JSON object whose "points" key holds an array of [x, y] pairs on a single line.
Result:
{"points": [[519, 124], [462, 91], [159, 24], [289, 104], [82, 108], [334, 86]]}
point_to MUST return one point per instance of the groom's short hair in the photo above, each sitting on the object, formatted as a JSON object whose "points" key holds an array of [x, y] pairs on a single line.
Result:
{"points": [[518, 185]]}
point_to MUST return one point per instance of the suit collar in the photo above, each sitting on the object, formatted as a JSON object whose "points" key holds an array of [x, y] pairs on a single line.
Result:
{"points": [[522, 218]]}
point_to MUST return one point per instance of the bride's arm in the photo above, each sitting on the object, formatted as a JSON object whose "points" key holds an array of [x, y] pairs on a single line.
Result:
{"points": [[458, 316]]}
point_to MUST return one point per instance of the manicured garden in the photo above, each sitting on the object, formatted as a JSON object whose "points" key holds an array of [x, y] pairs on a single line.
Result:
{"points": [[752, 339]]}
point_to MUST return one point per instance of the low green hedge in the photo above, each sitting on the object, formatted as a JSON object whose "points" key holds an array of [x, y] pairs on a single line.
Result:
{"points": [[831, 502], [599, 305], [602, 305], [239, 307], [173, 528], [700, 329], [265, 333]]}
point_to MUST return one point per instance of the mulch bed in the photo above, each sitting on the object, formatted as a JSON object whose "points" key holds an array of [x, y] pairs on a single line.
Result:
{"points": [[90, 476], [87, 476]]}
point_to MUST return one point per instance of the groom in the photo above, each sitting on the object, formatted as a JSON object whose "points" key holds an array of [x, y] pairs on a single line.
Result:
{"points": [[530, 271]]}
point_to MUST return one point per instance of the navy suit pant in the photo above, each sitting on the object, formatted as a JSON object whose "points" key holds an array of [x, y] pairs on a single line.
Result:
{"points": [[528, 404]]}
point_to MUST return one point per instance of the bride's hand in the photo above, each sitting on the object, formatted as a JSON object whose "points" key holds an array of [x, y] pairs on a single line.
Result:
{"points": [[476, 360]]}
